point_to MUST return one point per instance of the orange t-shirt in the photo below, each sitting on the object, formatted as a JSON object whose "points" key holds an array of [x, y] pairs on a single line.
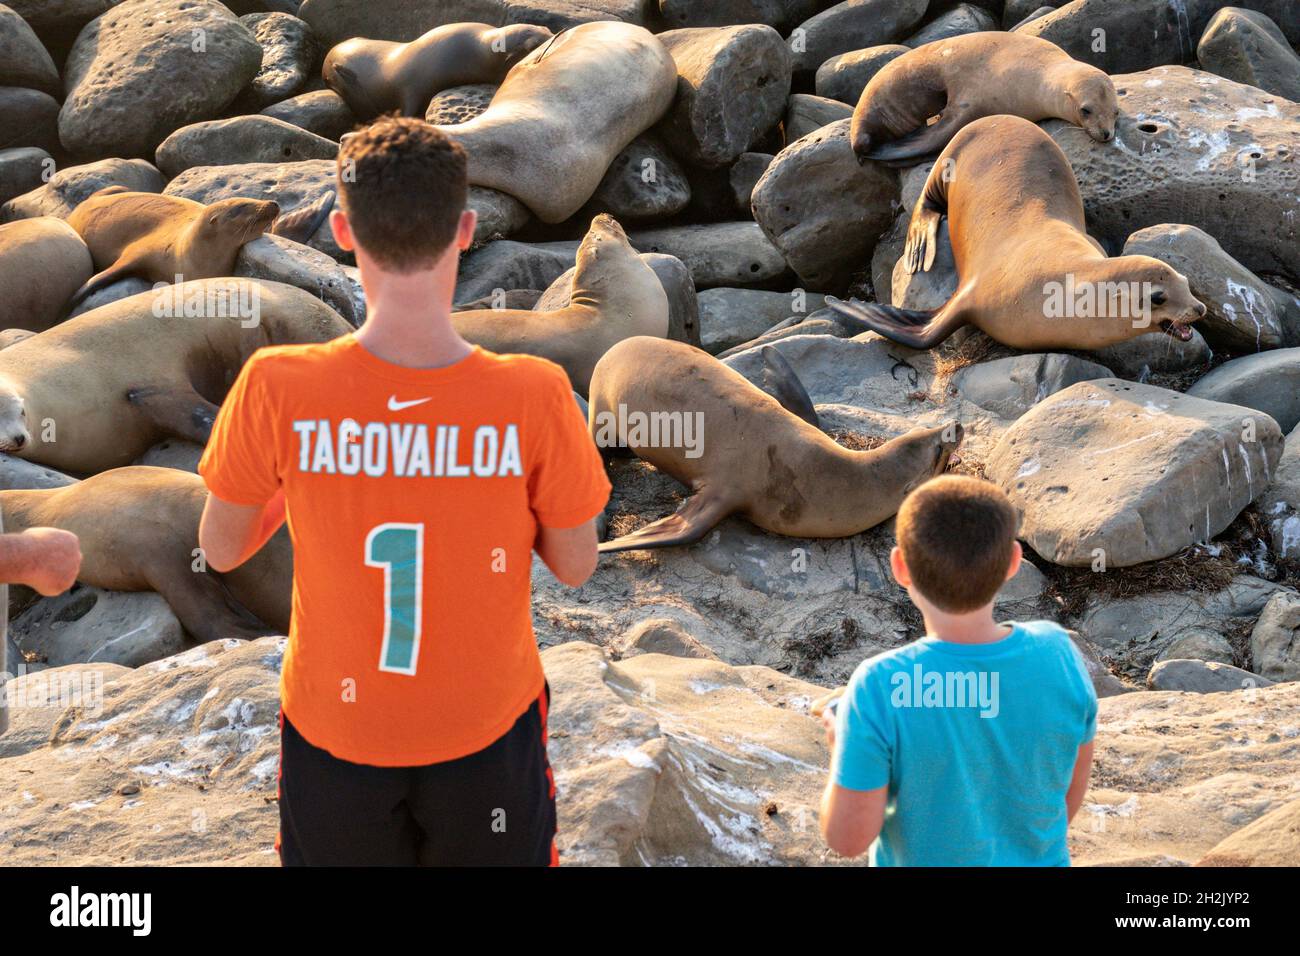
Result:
{"points": [[413, 500]]}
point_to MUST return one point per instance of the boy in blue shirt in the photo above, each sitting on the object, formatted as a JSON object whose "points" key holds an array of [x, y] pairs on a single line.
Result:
{"points": [[971, 746]]}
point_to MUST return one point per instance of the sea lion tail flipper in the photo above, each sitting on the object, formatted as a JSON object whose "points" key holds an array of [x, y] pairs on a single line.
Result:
{"points": [[300, 224], [202, 602], [920, 144], [782, 383], [911, 327], [688, 524], [177, 410], [100, 280]]}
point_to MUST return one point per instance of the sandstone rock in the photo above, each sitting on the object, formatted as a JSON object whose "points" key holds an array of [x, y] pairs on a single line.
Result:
{"points": [[1245, 313], [807, 114], [71, 186], [852, 25], [1197, 149], [28, 118], [1280, 504], [661, 635], [844, 77], [732, 84], [744, 176], [1275, 644], [644, 182], [18, 473], [1202, 677], [283, 260], [822, 210], [729, 317], [288, 54], [1138, 358], [459, 104], [240, 139], [1091, 468], [90, 625], [322, 112], [1268, 382], [137, 73], [22, 169], [964, 18], [23, 60], [1011, 386], [1248, 47], [1272, 840], [718, 254]]}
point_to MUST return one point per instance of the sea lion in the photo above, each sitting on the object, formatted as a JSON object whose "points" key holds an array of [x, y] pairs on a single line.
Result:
{"points": [[615, 295], [963, 78], [139, 531], [379, 76], [98, 390], [1022, 253], [565, 111], [43, 262], [159, 237], [757, 458]]}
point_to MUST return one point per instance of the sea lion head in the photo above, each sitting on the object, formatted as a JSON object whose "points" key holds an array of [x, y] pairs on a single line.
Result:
{"points": [[1168, 299], [15, 434], [242, 219], [925, 452], [518, 40], [1096, 108]]}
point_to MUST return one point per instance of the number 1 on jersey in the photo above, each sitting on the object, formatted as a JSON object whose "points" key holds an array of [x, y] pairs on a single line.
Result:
{"points": [[399, 550]]}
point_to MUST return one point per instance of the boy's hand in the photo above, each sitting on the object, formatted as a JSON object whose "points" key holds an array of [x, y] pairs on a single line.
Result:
{"points": [[821, 708], [51, 559]]}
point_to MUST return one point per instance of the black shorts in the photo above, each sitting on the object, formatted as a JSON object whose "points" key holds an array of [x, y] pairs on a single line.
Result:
{"points": [[495, 807]]}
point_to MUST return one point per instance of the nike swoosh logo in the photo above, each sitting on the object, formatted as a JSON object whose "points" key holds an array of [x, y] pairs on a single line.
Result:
{"points": [[395, 406]]}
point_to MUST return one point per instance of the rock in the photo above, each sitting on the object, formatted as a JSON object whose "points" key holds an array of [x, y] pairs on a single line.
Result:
{"points": [[459, 104], [283, 260], [90, 625], [1091, 468], [121, 289], [24, 61], [852, 25], [288, 54], [1280, 504], [1016, 11], [782, 14], [844, 77], [732, 84], [1272, 840], [504, 264], [661, 635], [148, 67], [506, 299], [1274, 643], [822, 210], [1197, 149], [1202, 677], [964, 18], [71, 186], [18, 473], [10, 337], [719, 253], [1248, 47], [1197, 645], [1011, 386], [1245, 313], [744, 176], [174, 453], [1031, 17], [498, 214], [1138, 358], [807, 114], [644, 182], [22, 169], [28, 118], [729, 317], [322, 112], [240, 139], [1104, 683], [1268, 382]]}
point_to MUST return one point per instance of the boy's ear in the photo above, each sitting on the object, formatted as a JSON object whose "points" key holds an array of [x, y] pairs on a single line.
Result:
{"points": [[1017, 553], [899, 567], [465, 232], [342, 230]]}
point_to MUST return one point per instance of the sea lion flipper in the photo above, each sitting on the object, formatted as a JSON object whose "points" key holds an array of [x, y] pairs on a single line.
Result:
{"points": [[914, 328], [204, 606], [177, 410], [920, 144], [688, 524], [300, 224], [782, 383]]}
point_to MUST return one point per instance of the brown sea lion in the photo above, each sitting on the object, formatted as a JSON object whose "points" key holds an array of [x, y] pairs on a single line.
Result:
{"points": [[1030, 275], [159, 237], [756, 457], [139, 531], [99, 390], [379, 76], [615, 295], [43, 262], [963, 78]]}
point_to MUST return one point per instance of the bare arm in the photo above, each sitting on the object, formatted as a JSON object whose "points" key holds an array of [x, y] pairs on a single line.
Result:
{"points": [[1079, 780], [851, 819], [46, 559], [570, 553], [230, 534]]}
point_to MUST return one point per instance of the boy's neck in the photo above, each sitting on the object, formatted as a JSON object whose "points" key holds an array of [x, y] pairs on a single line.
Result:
{"points": [[408, 315], [974, 627]]}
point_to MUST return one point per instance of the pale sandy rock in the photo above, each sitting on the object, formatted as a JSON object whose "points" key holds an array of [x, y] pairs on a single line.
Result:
{"points": [[1272, 840], [1275, 641]]}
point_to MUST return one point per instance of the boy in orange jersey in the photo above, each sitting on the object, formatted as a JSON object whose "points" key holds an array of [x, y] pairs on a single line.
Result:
{"points": [[418, 474]]}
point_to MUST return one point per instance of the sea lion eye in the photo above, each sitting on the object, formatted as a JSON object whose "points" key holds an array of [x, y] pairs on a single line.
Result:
{"points": [[1085, 111]]}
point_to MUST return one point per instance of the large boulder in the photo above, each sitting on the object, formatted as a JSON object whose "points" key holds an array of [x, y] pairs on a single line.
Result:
{"points": [[1248, 47], [22, 169], [288, 54], [717, 253], [1119, 473], [460, 104], [322, 112], [90, 625], [964, 18], [1272, 840], [1268, 382], [781, 14], [148, 67], [1197, 149], [72, 185], [729, 317], [240, 139], [1275, 641], [28, 118], [824, 211], [1138, 358], [806, 114], [24, 61], [645, 182], [844, 77], [1280, 504], [1011, 386], [1202, 677], [852, 25]]}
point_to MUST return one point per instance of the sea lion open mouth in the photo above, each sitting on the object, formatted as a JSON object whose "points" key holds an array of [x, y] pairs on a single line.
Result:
{"points": [[1182, 333]]}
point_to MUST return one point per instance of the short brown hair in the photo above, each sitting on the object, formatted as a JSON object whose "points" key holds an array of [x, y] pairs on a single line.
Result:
{"points": [[403, 187], [956, 535]]}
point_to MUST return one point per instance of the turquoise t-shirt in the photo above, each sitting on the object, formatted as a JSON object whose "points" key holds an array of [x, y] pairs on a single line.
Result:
{"points": [[976, 742]]}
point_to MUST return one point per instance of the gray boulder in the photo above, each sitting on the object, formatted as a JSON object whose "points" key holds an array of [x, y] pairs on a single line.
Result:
{"points": [[644, 182], [459, 104], [1248, 47], [28, 118], [964, 18], [1138, 358], [1280, 504], [852, 25], [24, 61], [89, 624], [322, 112], [22, 169], [730, 317], [844, 77], [744, 176], [806, 114], [1011, 386], [1202, 677], [1268, 382], [288, 54], [240, 139], [782, 14], [718, 254], [283, 260], [1275, 641], [72, 185]]}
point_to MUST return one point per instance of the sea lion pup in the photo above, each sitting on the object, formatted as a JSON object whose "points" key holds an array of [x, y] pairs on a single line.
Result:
{"points": [[963, 78], [565, 111], [42, 264], [159, 237], [380, 76], [97, 391], [1023, 256], [749, 455], [615, 295], [139, 530]]}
